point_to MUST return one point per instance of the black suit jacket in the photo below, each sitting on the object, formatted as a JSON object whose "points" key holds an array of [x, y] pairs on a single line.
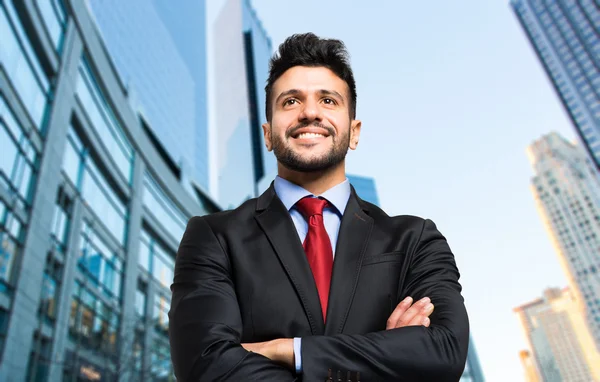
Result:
{"points": [[242, 276]]}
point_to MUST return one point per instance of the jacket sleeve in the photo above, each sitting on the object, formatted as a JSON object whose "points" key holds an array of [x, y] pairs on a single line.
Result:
{"points": [[415, 353], [205, 323]]}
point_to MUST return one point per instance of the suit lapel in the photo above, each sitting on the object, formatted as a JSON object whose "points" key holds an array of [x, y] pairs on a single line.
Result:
{"points": [[355, 230], [277, 225]]}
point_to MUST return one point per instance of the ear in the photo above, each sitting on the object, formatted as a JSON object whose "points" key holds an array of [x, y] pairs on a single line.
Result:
{"points": [[355, 126], [267, 134]]}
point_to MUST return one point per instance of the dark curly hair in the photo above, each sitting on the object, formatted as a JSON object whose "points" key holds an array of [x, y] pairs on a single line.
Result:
{"points": [[307, 49]]}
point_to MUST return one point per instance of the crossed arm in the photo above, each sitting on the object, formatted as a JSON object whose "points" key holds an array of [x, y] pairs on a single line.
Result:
{"points": [[205, 323]]}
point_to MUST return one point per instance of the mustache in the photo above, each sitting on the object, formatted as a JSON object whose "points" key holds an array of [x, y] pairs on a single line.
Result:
{"points": [[299, 126]]}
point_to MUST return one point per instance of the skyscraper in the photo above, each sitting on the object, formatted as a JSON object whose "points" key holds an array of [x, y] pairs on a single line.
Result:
{"points": [[160, 54], [365, 188], [473, 372], [91, 208], [562, 348], [566, 37], [566, 189], [242, 53]]}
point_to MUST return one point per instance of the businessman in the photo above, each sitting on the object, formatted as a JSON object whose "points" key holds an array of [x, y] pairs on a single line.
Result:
{"points": [[307, 281]]}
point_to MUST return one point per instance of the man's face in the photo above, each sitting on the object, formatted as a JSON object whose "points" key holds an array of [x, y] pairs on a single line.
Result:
{"points": [[310, 128]]}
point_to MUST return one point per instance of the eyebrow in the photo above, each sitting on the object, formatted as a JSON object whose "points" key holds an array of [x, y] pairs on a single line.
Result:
{"points": [[321, 92]]}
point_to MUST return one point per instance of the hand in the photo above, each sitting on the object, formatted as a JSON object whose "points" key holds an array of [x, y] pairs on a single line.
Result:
{"points": [[406, 314], [280, 350]]}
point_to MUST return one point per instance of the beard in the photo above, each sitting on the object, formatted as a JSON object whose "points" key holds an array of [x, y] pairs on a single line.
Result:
{"points": [[292, 161]]}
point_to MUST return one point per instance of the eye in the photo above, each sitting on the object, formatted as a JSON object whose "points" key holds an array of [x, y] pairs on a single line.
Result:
{"points": [[289, 102], [329, 101]]}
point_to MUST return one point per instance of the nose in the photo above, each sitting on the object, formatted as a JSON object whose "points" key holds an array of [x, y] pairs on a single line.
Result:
{"points": [[310, 112]]}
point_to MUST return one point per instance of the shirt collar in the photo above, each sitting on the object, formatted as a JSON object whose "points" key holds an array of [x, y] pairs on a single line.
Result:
{"points": [[290, 193]]}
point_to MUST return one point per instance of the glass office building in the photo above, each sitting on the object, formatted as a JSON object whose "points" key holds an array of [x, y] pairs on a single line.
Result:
{"points": [[566, 37], [159, 51], [365, 188], [91, 208], [242, 53], [473, 372]]}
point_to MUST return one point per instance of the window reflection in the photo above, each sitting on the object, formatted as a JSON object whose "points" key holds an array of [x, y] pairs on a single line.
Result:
{"points": [[18, 155], [21, 64], [54, 18], [95, 189], [163, 208], [102, 265], [104, 122], [156, 257], [92, 324]]}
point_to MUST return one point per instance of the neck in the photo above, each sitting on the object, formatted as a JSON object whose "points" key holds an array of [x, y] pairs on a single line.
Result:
{"points": [[316, 182]]}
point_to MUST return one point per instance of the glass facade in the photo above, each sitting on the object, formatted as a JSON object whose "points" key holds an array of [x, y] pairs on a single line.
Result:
{"points": [[163, 209], [102, 118], [164, 73], [102, 266], [79, 200], [242, 53], [566, 37], [22, 65], [95, 189], [54, 19]]}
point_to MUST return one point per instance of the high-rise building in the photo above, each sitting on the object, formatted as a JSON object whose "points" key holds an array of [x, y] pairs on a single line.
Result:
{"points": [[242, 53], [562, 348], [365, 188], [566, 37], [473, 372], [531, 374], [566, 189], [91, 208], [159, 51]]}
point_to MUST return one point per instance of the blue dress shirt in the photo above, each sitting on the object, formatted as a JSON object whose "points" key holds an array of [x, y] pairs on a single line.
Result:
{"points": [[337, 196]]}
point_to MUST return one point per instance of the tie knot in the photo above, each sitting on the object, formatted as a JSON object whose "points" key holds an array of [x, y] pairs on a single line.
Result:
{"points": [[311, 206]]}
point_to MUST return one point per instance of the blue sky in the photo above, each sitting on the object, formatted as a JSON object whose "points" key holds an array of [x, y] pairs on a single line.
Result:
{"points": [[450, 95]]}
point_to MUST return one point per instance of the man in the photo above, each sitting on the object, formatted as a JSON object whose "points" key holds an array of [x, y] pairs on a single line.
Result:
{"points": [[307, 281]]}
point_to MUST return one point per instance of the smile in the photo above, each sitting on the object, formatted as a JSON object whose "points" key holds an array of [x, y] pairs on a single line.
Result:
{"points": [[309, 136]]}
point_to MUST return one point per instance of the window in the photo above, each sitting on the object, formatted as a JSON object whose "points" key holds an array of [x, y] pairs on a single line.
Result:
{"points": [[161, 361], [53, 15], [104, 121], [95, 189], [140, 300], [163, 208], [19, 157], [50, 288], [22, 65], [40, 359], [93, 324], [157, 259], [11, 235], [60, 222], [101, 265], [161, 313]]}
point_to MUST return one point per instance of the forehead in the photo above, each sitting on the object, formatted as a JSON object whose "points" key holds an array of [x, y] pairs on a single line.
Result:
{"points": [[307, 79]]}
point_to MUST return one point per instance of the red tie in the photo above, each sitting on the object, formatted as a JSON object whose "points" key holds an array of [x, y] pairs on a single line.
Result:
{"points": [[317, 246]]}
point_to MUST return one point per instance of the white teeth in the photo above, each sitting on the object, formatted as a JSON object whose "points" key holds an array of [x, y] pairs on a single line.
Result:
{"points": [[310, 135]]}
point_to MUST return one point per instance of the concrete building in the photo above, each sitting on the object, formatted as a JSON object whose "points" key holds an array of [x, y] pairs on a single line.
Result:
{"points": [[91, 207], [566, 189], [242, 53], [562, 348], [566, 37]]}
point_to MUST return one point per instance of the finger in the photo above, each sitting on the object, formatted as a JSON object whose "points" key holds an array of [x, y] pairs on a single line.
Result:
{"points": [[412, 312], [422, 316], [398, 312]]}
